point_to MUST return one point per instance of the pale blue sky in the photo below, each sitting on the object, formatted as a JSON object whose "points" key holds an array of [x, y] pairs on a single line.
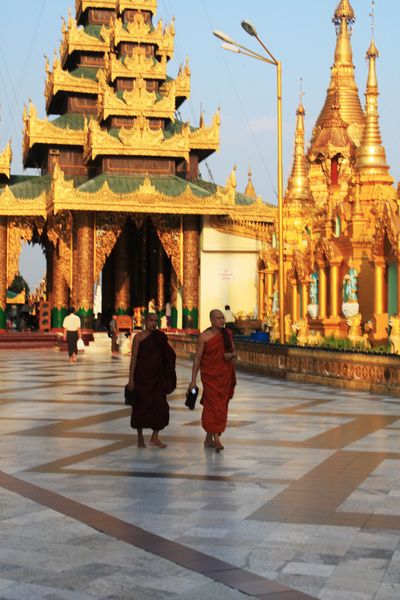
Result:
{"points": [[299, 32]]}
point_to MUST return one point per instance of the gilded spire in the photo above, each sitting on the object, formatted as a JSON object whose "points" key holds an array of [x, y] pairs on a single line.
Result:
{"points": [[371, 156], [342, 78], [250, 191], [298, 184]]}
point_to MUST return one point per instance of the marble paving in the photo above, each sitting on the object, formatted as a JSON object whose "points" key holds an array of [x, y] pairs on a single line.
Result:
{"points": [[303, 503]]}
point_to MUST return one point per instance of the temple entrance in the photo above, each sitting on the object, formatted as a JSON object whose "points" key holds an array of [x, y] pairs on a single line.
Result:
{"points": [[138, 275]]}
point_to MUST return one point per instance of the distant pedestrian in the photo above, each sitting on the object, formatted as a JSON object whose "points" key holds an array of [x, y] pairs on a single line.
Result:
{"points": [[229, 318], [168, 312], [152, 375], [72, 333], [114, 334]]}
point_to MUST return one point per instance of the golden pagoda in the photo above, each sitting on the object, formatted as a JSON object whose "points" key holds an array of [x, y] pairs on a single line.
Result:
{"points": [[119, 193], [341, 211]]}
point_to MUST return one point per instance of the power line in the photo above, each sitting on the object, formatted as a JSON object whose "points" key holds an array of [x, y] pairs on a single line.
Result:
{"points": [[273, 184]]}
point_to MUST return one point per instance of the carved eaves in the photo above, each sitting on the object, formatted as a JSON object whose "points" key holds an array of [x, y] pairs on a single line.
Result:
{"points": [[60, 80], [139, 31]]}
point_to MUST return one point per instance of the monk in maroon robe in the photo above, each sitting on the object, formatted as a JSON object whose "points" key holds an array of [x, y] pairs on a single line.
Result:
{"points": [[152, 375], [214, 355]]}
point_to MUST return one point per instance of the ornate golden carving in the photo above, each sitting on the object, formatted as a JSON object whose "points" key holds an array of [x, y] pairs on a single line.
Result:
{"points": [[20, 230], [207, 138], [3, 263], [59, 233], [139, 31], [139, 140], [83, 276], [5, 161], [150, 5], [136, 102], [14, 206], [136, 65], [42, 131], [76, 39], [122, 278], [82, 5], [168, 231], [190, 295], [60, 80], [108, 230]]}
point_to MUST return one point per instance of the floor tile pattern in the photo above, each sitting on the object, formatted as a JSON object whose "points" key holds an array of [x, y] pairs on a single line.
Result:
{"points": [[304, 502]]}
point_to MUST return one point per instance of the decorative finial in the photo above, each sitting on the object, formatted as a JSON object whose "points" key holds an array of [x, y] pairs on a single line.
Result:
{"points": [[372, 15], [344, 11], [300, 109]]}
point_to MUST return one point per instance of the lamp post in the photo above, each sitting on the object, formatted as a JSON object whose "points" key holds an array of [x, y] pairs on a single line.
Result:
{"points": [[232, 46]]}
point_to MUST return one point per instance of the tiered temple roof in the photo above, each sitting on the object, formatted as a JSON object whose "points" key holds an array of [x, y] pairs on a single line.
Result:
{"points": [[116, 102]]}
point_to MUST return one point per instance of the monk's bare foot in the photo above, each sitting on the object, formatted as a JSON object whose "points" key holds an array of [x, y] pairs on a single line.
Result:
{"points": [[209, 442], [141, 444], [157, 443], [217, 443]]}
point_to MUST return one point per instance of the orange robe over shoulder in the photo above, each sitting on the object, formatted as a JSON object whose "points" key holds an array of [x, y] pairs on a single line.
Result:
{"points": [[219, 380]]}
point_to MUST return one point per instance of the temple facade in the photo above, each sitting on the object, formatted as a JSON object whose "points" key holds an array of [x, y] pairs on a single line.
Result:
{"points": [[119, 197]]}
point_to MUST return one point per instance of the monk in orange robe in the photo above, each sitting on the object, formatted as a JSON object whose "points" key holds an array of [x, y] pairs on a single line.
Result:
{"points": [[215, 352]]}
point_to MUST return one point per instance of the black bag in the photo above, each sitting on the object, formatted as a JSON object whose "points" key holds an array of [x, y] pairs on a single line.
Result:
{"points": [[131, 396], [191, 397]]}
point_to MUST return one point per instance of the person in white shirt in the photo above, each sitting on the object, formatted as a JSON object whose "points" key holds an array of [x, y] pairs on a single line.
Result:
{"points": [[72, 332], [229, 318]]}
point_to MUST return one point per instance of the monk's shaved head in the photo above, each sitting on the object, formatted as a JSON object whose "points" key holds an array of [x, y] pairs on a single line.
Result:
{"points": [[217, 318], [214, 312]]}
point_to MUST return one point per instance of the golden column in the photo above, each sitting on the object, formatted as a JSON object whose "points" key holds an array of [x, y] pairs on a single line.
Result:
{"points": [[334, 291], [107, 286], [142, 268], [379, 288], [3, 271], [398, 288], [190, 272], [295, 302], [174, 298], [122, 276], [160, 278], [261, 294], [270, 289], [380, 311], [59, 288], [304, 299], [322, 300], [83, 276]]}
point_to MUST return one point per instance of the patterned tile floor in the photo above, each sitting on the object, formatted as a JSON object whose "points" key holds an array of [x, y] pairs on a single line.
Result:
{"points": [[304, 502]]}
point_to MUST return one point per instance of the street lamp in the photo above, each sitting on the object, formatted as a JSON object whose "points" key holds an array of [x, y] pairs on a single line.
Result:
{"points": [[233, 46]]}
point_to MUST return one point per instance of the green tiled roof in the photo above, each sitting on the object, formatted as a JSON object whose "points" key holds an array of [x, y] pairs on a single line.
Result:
{"points": [[94, 30], [85, 73], [240, 199], [70, 121], [29, 187], [120, 184]]}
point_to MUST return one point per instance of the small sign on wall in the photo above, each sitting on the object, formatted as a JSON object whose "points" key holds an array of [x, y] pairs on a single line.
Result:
{"points": [[225, 275]]}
